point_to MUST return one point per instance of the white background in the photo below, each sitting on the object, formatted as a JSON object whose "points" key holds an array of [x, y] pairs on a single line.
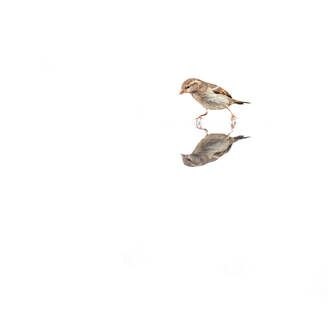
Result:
{"points": [[101, 223]]}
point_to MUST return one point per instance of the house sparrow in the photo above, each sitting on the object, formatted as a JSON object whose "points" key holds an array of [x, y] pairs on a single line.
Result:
{"points": [[210, 148], [210, 96]]}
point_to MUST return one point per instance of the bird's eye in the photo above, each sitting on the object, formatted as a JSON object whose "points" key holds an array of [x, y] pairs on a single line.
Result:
{"points": [[188, 159], [187, 87]]}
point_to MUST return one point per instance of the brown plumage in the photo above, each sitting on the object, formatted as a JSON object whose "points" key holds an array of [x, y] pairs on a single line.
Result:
{"points": [[210, 148], [210, 96]]}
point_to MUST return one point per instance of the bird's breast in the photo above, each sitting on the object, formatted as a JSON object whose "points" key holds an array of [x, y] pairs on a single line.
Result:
{"points": [[212, 100]]}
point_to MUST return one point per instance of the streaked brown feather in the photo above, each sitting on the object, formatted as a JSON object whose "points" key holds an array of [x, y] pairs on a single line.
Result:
{"points": [[221, 91]]}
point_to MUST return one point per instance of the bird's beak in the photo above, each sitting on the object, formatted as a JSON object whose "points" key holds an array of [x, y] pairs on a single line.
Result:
{"points": [[182, 91]]}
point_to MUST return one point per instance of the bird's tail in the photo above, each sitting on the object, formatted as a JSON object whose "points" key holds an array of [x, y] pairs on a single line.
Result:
{"points": [[239, 102], [239, 138]]}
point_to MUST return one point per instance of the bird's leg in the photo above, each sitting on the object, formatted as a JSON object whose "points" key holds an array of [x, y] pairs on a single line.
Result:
{"points": [[201, 116], [206, 131], [199, 124], [233, 119]]}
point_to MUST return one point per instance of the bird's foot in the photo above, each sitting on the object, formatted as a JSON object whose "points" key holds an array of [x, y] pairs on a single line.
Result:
{"points": [[233, 121], [198, 123]]}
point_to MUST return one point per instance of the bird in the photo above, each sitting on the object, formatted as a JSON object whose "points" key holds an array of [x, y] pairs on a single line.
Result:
{"points": [[210, 148], [210, 96]]}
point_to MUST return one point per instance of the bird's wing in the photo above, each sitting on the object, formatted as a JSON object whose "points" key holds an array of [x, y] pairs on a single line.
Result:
{"points": [[220, 153], [219, 90], [212, 145]]}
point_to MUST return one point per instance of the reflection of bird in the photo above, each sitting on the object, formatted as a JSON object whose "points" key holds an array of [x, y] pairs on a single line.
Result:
{"points": [[210, 96], [210, 148]]}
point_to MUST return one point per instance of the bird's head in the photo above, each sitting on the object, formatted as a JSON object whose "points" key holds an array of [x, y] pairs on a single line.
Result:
{"points": [[191, 160], [190, 86]]}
